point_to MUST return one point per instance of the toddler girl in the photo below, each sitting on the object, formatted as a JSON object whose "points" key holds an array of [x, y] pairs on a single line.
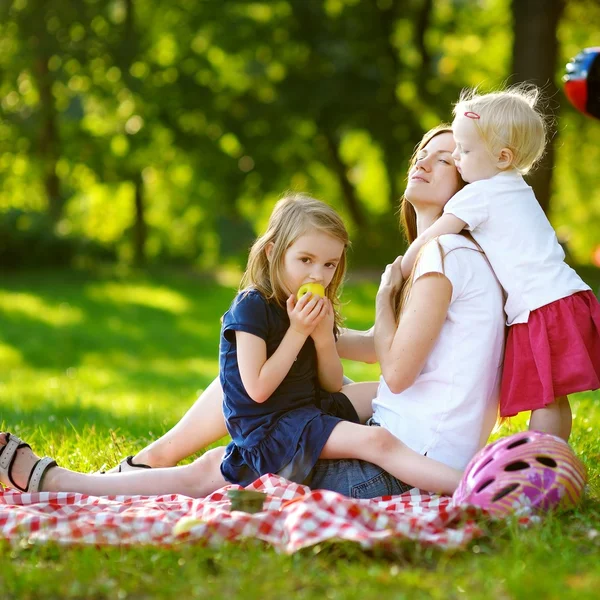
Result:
{"points": [[553, 345]]}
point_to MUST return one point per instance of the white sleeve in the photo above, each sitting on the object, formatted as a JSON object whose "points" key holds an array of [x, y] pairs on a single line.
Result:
{"points": [[442, 255], [429, 260], [471, 205]]}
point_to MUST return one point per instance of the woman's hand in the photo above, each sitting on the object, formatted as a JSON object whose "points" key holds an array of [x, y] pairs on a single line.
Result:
{"points": [[391, 280], [323, 332], [305, 314]]}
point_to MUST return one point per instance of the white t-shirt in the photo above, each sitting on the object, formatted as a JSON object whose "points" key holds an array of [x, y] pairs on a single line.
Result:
{"points": [[508, 223], [450, 410]]}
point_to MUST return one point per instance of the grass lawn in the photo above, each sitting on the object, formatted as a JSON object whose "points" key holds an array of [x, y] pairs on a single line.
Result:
{"points": [[92, 367]]}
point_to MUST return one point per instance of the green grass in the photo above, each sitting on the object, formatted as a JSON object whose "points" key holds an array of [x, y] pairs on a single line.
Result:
{"points": [[92, 367]]}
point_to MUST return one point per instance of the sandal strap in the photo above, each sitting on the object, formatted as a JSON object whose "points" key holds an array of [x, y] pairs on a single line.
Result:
{"points": [[8, 454], [128, 462], [37, 473]]}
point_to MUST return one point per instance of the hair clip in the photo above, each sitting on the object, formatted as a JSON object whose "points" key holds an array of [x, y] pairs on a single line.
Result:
{"points": [[472, 115]]}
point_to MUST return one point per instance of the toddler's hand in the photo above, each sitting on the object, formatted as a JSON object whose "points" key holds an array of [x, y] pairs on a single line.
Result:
{"points": [[305, 313]]}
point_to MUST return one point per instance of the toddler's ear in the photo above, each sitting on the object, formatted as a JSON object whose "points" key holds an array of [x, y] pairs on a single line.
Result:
{"points": [[505, 159]]}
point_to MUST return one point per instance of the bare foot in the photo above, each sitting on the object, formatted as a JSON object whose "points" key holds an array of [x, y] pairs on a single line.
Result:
{"points": [[21, 467]]}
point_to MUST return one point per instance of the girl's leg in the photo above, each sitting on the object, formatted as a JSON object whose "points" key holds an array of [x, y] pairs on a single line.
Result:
{"points": [[566, 417], [196, 480], [361, 395], [554, 418], [201, 425], [377, 445]]}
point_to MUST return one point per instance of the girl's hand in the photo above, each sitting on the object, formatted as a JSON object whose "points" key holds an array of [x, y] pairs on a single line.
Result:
{"points": [[391, 280], [323, 331], [305, 314]]}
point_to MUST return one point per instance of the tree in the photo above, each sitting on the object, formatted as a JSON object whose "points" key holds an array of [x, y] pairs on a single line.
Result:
{"points": [[535, 57]]}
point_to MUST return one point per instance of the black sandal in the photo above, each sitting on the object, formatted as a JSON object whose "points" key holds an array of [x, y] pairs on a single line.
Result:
{"points": [[7, 459]]}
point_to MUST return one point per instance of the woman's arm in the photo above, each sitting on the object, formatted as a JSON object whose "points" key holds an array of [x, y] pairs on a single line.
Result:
{"points": [[357, 345], [403, 350]]}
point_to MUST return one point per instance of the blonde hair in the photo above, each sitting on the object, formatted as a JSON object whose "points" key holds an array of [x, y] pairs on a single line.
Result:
{"points": [[511, 119], [293, 216], [408, 216]]}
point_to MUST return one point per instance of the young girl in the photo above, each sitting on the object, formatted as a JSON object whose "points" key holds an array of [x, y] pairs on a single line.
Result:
{"points": [[553, 346], [279, 368]]}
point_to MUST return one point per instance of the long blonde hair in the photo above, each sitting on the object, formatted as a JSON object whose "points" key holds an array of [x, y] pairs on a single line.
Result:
{"points": [[293, 216], [408, 216]]}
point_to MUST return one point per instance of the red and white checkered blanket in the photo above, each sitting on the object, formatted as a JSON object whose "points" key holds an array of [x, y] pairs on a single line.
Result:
{"points": [[312, 517]]}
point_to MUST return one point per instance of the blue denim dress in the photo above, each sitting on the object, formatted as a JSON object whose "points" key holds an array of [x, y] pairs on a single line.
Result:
{"points": [[285, 434]]}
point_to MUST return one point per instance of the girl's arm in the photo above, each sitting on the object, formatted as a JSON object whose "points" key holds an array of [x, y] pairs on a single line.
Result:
{"points": [[357, 345], [447, 223], [403, 350], [260, 376], [329, 366]]}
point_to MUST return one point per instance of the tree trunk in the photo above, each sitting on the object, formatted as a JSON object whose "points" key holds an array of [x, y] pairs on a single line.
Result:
{"points": [[49, 141], [126, 53], [348, 191], [535, 54]]}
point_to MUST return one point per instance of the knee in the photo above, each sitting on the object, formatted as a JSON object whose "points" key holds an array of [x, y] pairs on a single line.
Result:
{"points": [[206, 467], [382, 441], [210, 461]]}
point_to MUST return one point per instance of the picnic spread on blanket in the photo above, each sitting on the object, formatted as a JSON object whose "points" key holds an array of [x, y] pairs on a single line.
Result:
{"points": [[293, 517], [519, 475]]}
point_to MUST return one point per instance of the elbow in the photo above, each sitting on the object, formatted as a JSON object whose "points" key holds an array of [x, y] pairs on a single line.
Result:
{"points": [[397, 381], [397, 386], [257, 395], [332, 389]]}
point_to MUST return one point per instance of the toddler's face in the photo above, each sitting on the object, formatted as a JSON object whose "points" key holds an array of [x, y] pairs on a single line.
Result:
{"points": [[473, 159]]}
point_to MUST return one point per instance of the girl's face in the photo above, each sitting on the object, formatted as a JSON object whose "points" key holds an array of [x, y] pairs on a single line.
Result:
{"points": [[312, 258], [434, 178], [472, 157]]}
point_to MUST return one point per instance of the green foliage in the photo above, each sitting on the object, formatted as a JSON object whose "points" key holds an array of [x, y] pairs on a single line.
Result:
{"points": [[92, 367], [168, 129], [30, 239]]}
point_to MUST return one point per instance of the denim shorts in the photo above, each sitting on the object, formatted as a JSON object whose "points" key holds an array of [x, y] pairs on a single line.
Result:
{"points": [[354, 478]]}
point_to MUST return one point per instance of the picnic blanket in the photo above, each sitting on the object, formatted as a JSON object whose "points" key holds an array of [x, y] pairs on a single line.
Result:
{"points": [[294, 517]]}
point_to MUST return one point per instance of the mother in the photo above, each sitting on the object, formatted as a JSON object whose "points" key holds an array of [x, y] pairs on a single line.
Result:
{"points": [[440, 363]]}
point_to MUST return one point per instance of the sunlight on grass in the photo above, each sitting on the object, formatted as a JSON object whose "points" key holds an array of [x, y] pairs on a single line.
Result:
{"points": [[141, 295], [35, 308], [10, 356], [92, 371]]}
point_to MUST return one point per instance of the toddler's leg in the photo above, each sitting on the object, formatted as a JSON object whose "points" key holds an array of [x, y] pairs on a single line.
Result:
{"points": [[201, 425], [554, 418], [380, 447], [361, 395]]}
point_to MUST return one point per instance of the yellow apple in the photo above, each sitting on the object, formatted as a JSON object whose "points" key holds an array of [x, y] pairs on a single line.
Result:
{"points": [[316, 288], [186, 524]]}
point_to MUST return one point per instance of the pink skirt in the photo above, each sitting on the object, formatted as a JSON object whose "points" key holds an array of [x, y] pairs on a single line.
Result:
{"points": [[556, 353]]}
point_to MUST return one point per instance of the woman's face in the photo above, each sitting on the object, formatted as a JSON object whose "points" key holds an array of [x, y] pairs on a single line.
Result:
{"points": [[434, 178]]}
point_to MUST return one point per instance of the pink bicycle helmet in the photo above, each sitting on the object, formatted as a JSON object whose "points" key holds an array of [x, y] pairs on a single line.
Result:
{"points": [[531, 469]]}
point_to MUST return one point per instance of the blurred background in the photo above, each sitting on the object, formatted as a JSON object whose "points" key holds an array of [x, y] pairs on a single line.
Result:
{"points": [[161, 132]]}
